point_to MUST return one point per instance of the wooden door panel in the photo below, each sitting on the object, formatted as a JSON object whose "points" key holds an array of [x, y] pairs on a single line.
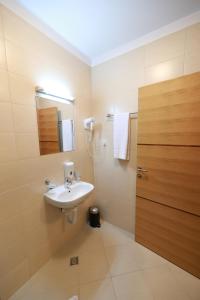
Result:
{"points": [[173, 176], [48, 124], [169, 232], [49, 148], [169, 112]]}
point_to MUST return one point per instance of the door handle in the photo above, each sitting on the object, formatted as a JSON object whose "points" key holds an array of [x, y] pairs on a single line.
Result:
{"points": [[141, 171]]}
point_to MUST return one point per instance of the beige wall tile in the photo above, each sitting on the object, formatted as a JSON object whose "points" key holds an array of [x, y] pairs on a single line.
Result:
{"points": [[193, 39], [22, 91], [20, 60], [118, 78], [35, 239], [27, 145], [4, 88], [165, 49], [1, 23], [7, 147], [11, 231], [15, 174], [2, 54], [39, 257], [6, 120], [191, 63], [12, 281], [25, 119], [164, 71], [11, 249], [19, 31], [31, 196], [11, 257], [15, 201]]}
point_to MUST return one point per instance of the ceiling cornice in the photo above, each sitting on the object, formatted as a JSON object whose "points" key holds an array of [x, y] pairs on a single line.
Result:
{"points": [[148, 38], [180, 24], [15, 7]]}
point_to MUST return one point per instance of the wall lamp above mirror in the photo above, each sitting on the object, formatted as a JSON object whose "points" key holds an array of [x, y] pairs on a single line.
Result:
{"points": [[40, 92]]}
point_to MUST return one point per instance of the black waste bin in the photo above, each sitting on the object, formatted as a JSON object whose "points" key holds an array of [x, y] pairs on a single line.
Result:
{"points": [[94, 217]]}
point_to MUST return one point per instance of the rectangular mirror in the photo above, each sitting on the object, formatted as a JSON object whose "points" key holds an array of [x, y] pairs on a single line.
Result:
{"points": [[55, 125]]}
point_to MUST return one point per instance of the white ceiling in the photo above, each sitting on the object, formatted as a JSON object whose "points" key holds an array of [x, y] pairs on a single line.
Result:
{"points": [[96, 27]]}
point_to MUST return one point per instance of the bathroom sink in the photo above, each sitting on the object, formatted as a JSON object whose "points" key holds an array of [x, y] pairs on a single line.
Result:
{"points": [[68, 197]]}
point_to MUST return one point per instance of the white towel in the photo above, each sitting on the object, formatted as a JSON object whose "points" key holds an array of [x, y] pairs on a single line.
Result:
{"points": [[67, 135], [121, 133]]}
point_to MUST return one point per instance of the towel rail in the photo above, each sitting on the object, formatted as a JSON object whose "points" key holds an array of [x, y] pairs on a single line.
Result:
{"points": [[132, 115]]}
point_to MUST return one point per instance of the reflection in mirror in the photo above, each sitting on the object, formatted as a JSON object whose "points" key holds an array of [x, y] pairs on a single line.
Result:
{"points": [[55, 126]]}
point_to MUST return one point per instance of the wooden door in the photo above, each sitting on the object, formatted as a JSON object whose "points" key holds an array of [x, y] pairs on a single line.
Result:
{"points": [[173, 176], [170, 232], [48, 130], [169, 112], [168, 182]]}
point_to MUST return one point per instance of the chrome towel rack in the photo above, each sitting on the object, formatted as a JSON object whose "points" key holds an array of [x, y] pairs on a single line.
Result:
{"points": [[132, 115]]}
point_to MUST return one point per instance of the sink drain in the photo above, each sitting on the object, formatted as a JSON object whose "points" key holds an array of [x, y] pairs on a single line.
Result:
{"points": [[74, 260]]}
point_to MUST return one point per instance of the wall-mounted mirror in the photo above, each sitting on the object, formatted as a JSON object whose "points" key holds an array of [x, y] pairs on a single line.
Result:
{"points": [[55, 125]]}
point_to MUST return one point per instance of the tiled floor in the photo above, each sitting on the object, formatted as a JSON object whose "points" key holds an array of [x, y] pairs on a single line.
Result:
{"points": [[111, 267]]}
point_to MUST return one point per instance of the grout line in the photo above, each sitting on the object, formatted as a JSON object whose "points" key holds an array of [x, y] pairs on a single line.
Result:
{"points": [[184, 54], [139, 270], [115, 293]]}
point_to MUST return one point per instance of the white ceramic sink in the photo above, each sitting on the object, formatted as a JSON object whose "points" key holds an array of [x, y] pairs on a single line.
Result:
{"points": [[68, 198]]}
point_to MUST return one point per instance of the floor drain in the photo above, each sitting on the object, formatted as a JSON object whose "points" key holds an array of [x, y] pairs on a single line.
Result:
{"points": [[74, 260]]}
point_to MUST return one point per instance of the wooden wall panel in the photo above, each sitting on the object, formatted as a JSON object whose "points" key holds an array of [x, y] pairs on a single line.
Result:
{"points": [[173, 176], [169, 112], [169, 232]]}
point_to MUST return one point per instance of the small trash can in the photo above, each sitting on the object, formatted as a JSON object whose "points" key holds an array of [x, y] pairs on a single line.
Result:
{"points": [[94, 217]]}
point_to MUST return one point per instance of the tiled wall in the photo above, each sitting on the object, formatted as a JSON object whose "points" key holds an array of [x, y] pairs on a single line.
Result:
{"points": [[30, 230], [115, 88]]}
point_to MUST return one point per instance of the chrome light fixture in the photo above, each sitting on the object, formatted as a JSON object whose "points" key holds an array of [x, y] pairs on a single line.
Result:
{"points": [[43, 94]]}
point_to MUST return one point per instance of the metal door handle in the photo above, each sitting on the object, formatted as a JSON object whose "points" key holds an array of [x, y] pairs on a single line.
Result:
{"points": [[140, 169], [140, 172]]}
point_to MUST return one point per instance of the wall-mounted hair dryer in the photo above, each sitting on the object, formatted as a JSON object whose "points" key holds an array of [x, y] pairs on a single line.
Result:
{"points": [[89, 123], [89, 126]]}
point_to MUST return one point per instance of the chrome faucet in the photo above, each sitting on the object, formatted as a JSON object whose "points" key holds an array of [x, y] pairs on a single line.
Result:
{"points": [[49, 184], [70, 178]]}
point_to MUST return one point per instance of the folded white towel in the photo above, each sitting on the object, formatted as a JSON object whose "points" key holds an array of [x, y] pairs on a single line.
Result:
{"points": [[67, 135], [121, 133]]}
